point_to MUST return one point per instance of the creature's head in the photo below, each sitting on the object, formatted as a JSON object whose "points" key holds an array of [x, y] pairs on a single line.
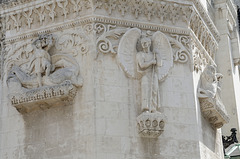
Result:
{"points": [[210, 73], [12, 72], [12, 75], [44, 41]]}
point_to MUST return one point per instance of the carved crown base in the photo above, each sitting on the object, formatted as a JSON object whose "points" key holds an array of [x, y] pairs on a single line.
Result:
{"points": [[151, 124], [44, 97], [213, 110]]}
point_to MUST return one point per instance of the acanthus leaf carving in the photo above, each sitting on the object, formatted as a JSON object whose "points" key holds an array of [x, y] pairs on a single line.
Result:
{"points": [[51, 8], [63, 4], [73, 42], [40, 12], [200, 59], [123, 6], [162, 11], [103, 42], [136, 7], [175, 10], [187, 14], [181, 43], [77, 7], [149, 9], [111, 5], [203, 35], [7, 22], [17, 20], [28, 15]]}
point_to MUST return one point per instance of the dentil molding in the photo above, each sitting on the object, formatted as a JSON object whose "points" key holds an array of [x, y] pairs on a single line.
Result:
{"points": [[23, 14]]}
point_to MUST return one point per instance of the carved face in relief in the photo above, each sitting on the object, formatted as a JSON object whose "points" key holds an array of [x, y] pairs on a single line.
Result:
{"points": [[211, 73], [146, 42], [38, 44]]}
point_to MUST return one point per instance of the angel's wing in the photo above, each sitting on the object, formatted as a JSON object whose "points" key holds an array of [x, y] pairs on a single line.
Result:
{"points": [[164, 55], [127, 52]]}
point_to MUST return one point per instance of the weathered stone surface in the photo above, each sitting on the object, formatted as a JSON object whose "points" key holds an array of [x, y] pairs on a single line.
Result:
{"points": [[44, 97], [151, 124], [42, 81], [141, 60], [209, 94]]}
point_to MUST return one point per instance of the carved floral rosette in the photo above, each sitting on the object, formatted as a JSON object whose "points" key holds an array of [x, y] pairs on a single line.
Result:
{"points": [[151, 124], [213, 110], [44, 97]]}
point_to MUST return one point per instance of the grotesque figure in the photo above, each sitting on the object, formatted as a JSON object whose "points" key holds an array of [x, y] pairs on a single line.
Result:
{"points": [[209, 94], [209, 83]]}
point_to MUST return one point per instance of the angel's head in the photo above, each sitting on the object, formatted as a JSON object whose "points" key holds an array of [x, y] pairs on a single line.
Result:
{"points": [[146, 42]]}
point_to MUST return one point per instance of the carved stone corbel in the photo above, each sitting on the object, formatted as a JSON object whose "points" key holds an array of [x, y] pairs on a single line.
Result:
{"points": [[41, 80], [210, 99], [151, 124]]}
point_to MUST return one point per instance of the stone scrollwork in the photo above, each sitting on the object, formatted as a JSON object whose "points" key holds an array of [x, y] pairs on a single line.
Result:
{"points": [[210, 99], [43, 11], [41, 80], [181, 45], [74, 42], [202, 34], [163, 10], [107, 35], [200, 59], [147, 58]]}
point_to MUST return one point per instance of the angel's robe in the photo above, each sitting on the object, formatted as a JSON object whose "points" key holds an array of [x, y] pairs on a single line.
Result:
{"points": [[149, 82]]}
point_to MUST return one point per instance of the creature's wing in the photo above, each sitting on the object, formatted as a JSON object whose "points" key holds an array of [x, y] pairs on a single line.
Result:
{"points": [[18, 55], [164, 54], [64, 60], [127, 52]]}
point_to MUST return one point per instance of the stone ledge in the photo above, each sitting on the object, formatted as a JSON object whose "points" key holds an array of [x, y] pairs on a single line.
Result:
{"points": [[150, 124], [213, 111], [44, 97]]}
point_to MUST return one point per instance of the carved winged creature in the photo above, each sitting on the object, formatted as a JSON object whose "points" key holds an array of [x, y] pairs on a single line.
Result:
{"points": [[41, 69], [150, 63]]}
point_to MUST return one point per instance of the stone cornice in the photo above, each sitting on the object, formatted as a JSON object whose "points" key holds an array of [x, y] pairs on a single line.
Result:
{"points": [[30, 19], [147, 8], [231, 8], [202, 11], [20, 5], [97, 19]]}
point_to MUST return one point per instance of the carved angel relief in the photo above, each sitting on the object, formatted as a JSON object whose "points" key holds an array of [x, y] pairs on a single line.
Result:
{"points": [[149, 63], [40, 80], [210, 98]]}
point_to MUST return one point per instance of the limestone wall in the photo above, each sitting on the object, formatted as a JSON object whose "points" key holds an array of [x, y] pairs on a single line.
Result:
{"points": [[99, 42]]}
